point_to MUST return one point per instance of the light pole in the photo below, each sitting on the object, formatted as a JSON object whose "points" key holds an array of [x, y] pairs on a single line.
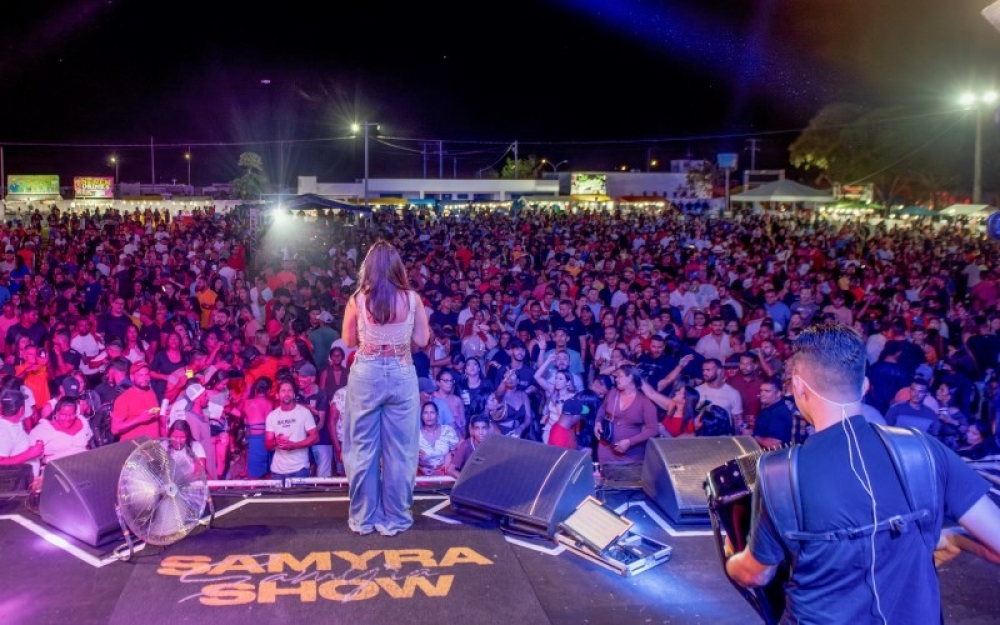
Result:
{"points": [[555, 166], [978, 102], [366, 126], [114, 161], [187, 157]]}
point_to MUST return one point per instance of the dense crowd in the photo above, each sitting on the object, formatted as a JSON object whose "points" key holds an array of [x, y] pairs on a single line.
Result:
{"points": [[594, 330]]}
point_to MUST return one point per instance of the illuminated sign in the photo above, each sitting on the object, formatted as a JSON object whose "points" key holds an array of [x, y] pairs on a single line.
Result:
{"points": [[264, 578], [864, 193], [43, 184], [589, 184], [94, 187]]}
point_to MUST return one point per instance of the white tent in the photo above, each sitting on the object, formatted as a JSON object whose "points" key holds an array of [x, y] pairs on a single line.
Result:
{"points": [[784, 191], [958, 210]]}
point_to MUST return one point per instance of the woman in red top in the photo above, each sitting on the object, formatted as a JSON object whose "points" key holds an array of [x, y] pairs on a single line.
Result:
{"points": [[680, 404]]}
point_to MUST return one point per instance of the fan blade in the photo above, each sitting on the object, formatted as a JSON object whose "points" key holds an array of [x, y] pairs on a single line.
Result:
{"points": [[193, 499], [167, 523]]}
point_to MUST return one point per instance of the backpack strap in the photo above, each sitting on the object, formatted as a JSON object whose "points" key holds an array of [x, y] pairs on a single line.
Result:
{"points": [[778, 486], [915, 468]]}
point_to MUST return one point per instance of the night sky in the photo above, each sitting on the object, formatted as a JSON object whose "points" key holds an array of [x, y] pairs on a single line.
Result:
{"points": [[598, 83]]}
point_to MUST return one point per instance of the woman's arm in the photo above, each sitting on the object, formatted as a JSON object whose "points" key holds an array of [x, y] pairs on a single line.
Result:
{"points": [[540, 375], [656, 397], [349, 330], [674, 373], [421, 329]]}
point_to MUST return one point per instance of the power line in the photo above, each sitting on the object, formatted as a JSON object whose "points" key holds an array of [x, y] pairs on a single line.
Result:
{"points": [[702, 137]]}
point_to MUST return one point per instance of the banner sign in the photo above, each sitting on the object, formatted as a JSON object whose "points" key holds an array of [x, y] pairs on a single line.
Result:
{"points": [[341, 576], [728, 160], [94, 187], [42, 184], [855, 192]]}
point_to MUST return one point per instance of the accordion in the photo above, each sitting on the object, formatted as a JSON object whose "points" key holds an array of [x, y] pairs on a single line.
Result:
{"points": [[730, 489]]}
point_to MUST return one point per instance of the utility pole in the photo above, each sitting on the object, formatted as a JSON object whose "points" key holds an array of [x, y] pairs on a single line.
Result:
{"points": [[440, 159], [753, 153], [424, 158], [515, 160]]}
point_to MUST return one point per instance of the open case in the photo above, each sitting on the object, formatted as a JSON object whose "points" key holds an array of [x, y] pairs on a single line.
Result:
{"points": [[601, 535]]}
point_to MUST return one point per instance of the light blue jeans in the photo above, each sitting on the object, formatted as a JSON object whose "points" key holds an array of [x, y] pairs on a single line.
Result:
{"points": [[381, 444]]}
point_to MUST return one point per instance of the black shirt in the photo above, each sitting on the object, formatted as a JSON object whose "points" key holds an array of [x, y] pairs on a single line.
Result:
{"points": [[36, 332], [111, 326]]}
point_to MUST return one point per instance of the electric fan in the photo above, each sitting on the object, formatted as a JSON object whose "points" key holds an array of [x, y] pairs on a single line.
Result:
{"points": [[162, 494]]}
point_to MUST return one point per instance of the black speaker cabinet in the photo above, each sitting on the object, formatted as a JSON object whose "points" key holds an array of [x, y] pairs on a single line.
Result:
{"points": [[16, 478], [675, 470], [524, 485], [79, 492]]}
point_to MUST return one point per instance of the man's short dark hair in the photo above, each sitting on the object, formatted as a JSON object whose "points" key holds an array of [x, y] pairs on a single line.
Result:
{"points": [[775, 382], [11, 402], [838, 352], [120, 363], [479, 418]]}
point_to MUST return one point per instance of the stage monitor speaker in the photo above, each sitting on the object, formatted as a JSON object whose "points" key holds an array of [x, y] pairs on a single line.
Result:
{"points": [[16, 478], [675, 470], [527, 486], [80, 492]]}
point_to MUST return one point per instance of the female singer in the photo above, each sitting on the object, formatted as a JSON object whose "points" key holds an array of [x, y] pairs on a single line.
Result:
{"points": [[383, 318]]}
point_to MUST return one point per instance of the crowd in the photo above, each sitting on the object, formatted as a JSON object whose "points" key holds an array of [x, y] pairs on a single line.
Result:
{"points": [[586, 330]]}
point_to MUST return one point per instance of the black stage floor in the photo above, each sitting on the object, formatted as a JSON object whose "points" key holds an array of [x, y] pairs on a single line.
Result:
{"points": [[477, 574]]}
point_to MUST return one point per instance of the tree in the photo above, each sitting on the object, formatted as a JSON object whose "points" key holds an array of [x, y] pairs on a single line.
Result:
{"points": [[821, 143], [527, 168], [251, 185], [896, 150]]}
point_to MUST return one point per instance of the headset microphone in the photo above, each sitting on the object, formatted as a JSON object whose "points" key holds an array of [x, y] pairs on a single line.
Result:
{"points": [[866, 483]]}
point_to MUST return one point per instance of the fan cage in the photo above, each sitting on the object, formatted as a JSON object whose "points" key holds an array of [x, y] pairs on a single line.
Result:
{"points": [[162, 492]]}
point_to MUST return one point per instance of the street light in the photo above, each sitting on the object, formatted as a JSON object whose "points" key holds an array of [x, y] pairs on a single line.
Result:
{"points": [[187, 157], [555, 166], [978, 102], [114, 161], [355, 128]]}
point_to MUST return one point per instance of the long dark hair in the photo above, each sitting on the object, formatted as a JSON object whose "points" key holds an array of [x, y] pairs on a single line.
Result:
{"points": [[381, 278]]}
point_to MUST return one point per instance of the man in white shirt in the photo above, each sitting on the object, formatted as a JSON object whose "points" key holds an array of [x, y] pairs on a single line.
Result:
{"points": [[715, 390], [85, 343], [289, 431], [682, 299], [716, 343], [260, 295], [15, 445]]}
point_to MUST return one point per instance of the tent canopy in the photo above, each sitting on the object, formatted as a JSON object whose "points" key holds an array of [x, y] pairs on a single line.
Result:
{"points": [[919, 211], [783, 191], [956, 210], [309, 201]]}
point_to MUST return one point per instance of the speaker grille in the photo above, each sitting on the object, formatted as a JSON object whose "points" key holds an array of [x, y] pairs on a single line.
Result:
{"points": [[79, 492], [675, 470], [523, 480]]}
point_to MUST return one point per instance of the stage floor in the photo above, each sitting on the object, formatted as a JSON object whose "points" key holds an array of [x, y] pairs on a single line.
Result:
{"points": [[281, 558]]}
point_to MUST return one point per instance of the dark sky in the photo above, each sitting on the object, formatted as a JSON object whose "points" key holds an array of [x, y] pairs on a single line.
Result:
{"points": [[598, 83]]}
